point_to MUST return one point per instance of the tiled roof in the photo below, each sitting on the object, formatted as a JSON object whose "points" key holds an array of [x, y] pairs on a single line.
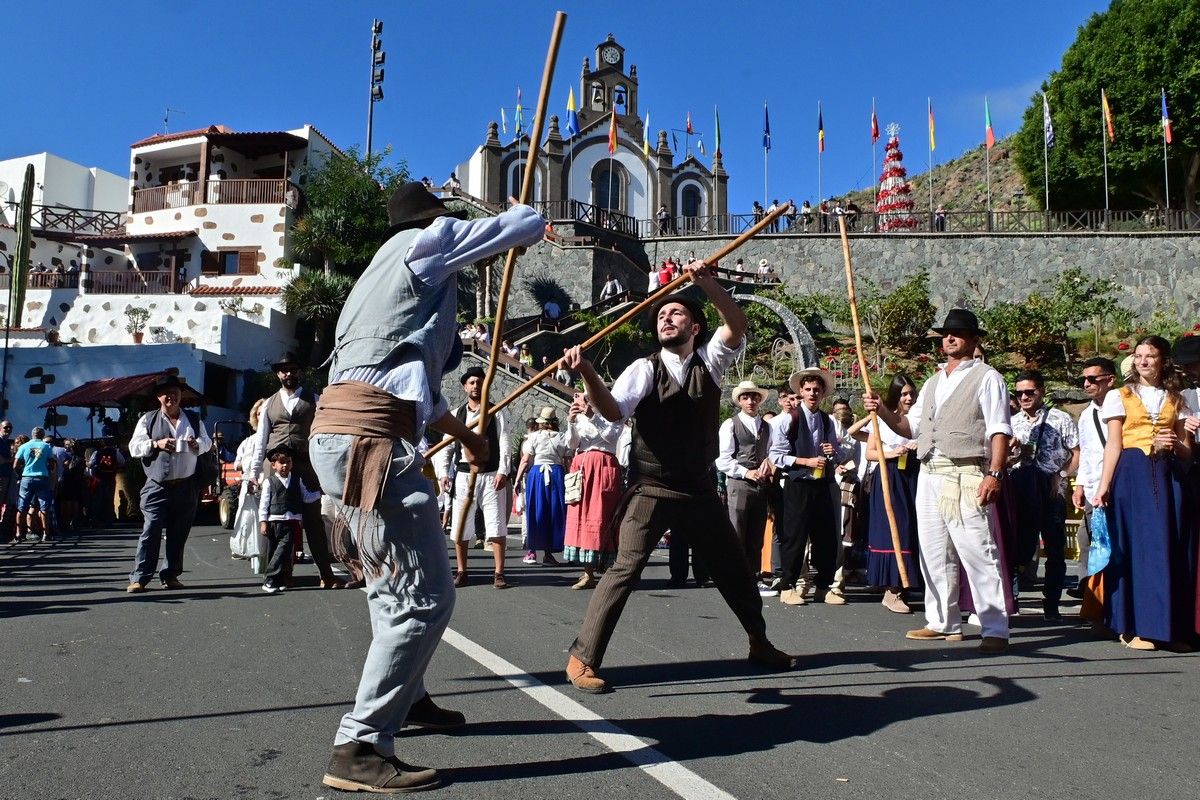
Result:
{"points": [[113, 392], [159, 138], [223, 291]]}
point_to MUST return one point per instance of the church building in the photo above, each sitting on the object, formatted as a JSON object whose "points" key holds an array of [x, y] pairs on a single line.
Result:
{"points": [[578, 169]]}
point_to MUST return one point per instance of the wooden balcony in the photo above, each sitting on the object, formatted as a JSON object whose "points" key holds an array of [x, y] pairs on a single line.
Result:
{"points": [[254, 191]]}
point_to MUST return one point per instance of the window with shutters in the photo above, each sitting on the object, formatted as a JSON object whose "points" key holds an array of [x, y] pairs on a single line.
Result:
{"points": [[237, 261]]}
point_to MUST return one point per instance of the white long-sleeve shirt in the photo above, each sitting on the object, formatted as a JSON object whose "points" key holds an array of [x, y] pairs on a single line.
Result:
{"points": [[992, 396], [727, 445], [267, 493], [592, 433], [183, 460], [780, 452], [638, 378], [445, 247], [290, 399], [443, 467]]}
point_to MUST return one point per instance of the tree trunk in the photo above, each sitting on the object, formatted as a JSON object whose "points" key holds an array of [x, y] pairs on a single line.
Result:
{"points": [[481, 291], [1189, 186]]}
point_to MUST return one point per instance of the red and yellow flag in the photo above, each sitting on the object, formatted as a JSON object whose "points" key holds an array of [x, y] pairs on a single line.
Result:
{"points": [[612, 133], [1108, 120]]}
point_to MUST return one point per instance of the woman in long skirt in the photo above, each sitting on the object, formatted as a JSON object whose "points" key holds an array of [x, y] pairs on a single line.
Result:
{"points": [[1150, 581], [902, 465], [591, 540], [545, 508], [247, 541]]}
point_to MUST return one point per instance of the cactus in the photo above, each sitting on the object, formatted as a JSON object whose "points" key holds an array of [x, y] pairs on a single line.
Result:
{"points": [[19, 272]]}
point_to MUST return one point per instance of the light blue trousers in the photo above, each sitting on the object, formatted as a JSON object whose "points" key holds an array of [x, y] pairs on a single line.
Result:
{"points": [[411, 608]]}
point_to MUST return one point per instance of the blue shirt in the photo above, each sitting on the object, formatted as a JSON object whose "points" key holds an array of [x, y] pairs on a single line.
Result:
{"points": [[37, 455]]}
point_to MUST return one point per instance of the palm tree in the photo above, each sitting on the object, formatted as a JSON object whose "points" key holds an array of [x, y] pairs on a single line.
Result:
{"points": [[318, 298]]}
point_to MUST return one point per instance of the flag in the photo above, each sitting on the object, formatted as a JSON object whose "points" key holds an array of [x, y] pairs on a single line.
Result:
{"points": [[874, 123], [932, 141], [766, 129], [1108, 122], [646, 137], [820, 130], [519, 119], [700, 146], [1166, 118], [689, 124], [1047, 125], [717, 123], [572, 128], [674, 142], [612, 132], [989, 136], [503, 122]]}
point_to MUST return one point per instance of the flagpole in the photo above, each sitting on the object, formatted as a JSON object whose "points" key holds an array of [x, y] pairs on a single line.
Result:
{"points": [[929, 109], [987, 161], [1166, 174], [1104, 150], [1046, 153], [874, 154]]}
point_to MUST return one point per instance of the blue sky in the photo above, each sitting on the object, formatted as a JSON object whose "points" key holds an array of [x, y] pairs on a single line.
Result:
{"points": [[84, 80]]}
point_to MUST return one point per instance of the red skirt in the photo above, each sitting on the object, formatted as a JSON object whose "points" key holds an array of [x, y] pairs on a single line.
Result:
{"points": [[589, 528]]}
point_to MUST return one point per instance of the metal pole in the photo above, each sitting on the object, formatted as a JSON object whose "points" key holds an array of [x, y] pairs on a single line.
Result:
{"points": [[1046, 164], [987, 160], [1104, 150], [371, 99], [929, 108]]}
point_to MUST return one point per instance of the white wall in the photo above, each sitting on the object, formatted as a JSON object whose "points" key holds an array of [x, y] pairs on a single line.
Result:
{"points": [[58, 181], [637, 198]]}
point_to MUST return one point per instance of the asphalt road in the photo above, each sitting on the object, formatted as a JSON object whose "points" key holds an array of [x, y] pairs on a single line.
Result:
{"points": [[221, 691]]}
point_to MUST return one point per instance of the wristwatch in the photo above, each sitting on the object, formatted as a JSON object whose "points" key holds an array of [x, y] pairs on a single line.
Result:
{"points": [[998, 474]]}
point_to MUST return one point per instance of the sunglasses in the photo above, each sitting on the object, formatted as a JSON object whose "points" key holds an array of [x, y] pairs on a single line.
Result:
{"points": [[1025, 392], [1094, 379]]}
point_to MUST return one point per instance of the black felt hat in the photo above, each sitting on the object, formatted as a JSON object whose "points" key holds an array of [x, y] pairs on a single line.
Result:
{"points": [[1186, 351], [166, 382], [280, 450], [694, 307], [960, 319], [286, 358], [413, 204], [471, 372]]}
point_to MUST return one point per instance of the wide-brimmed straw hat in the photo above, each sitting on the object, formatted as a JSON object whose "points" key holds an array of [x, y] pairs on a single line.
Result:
{"points": [[749, 387], [823, 375], [547, 414]]}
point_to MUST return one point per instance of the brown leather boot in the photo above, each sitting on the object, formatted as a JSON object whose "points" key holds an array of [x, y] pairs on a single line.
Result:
{"points": [[584, 678], [764, 653], [427, 714], [358, 767]]}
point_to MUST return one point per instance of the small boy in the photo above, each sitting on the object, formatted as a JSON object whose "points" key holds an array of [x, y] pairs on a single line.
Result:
{"points": [[280, 507]]}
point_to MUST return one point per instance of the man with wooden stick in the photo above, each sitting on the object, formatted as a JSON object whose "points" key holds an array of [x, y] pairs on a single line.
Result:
{"points": [[673, 397], [396, 337], [961, 423]]}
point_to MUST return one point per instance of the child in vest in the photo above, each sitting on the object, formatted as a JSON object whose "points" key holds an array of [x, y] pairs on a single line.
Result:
{"points": [[280, 509]]}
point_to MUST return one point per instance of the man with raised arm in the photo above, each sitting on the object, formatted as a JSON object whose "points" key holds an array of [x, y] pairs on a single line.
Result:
{"points": [[673, 397]]}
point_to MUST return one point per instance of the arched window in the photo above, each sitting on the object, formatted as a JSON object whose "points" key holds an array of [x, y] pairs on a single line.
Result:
{"points": [[691, 201], [610, 186]]}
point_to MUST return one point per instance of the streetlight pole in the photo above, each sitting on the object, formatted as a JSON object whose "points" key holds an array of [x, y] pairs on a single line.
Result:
{"points": [[377, 59]]}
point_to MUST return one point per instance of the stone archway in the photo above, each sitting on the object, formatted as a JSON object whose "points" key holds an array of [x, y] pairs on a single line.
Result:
{"points": [[805, 349]]}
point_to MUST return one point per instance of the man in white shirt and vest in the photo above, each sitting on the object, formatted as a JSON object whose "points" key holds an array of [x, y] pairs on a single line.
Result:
{"points": [[961, 424], [168, 440], [742, 445], [674, 397], [491, 496]]}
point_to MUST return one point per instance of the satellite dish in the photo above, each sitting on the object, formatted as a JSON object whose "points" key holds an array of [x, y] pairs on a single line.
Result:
{"points": [[3, 190]]}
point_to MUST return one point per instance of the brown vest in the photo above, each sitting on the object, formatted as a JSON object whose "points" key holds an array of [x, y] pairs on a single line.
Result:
{"points": [[675, 429], [291, 429]]}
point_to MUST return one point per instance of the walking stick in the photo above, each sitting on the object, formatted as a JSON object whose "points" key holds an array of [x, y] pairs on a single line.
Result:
{"points": [[510, 261], [650, 300], [885, 482]]}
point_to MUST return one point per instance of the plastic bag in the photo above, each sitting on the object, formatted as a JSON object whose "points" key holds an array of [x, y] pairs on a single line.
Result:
{"points": [[1100, 549]]}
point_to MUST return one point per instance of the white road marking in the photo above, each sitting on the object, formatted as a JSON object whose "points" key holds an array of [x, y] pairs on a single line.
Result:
{"points": [[675, 777]]}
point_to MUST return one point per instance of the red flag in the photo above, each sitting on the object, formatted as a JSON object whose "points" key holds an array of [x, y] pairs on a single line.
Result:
{"points": [[689, 124], [1108, 118], [874, 124], [612, 133]]}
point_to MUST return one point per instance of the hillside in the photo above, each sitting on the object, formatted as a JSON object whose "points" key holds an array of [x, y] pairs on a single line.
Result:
{"points": [[961, 184]]}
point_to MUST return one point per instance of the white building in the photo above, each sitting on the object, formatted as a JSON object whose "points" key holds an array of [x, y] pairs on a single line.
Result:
{"points": [[197, 236]]}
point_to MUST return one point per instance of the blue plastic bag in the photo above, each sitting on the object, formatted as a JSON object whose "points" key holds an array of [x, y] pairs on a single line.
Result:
{"points": [[1100, 549]]}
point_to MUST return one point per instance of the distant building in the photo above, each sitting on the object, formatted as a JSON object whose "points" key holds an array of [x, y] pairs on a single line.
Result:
{"points": [[580, 171]]}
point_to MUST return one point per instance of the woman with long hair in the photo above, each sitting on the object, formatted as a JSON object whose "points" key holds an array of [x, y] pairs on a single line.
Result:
{"points": [[591, 538], [897, 456], [1149, 583]]}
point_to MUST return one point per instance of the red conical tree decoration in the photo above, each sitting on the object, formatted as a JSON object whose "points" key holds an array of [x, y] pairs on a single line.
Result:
{"points": [[894, 203]]}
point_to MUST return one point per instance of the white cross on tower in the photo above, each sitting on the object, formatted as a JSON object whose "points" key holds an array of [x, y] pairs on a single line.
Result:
{"points": [[893, 129]]}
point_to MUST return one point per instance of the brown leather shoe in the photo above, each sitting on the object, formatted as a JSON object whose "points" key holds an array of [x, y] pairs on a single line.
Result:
{"points": [[585, 582], [993, 644], [927, 635], [765, 654], [135, 588], [894, 602], [358, 767], [584, 678], [332, 583], [427, 714], [172, 583], [498, 581], [460, 578]]}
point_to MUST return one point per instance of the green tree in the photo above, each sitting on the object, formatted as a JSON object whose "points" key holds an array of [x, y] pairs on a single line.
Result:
{"points": [[1132, 50], [317, 299], [899, 319], [344, 217]]}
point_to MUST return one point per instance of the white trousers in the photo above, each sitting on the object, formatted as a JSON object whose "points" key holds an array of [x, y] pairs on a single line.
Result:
{"points": [[943, 544], [493, 503]]}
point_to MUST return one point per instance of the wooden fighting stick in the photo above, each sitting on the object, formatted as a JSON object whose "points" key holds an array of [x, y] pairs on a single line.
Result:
{"points": [[885, 482]]}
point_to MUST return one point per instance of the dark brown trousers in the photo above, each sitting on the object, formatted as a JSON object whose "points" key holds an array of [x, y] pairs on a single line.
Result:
{"points": [[314, 524], [713, 540]]}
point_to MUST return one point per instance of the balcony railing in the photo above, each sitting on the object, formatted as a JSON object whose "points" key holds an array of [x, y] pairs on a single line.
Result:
{"points": [[251, 191], [132, 282], [577, 211], [44, 280], [66, 219]]}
